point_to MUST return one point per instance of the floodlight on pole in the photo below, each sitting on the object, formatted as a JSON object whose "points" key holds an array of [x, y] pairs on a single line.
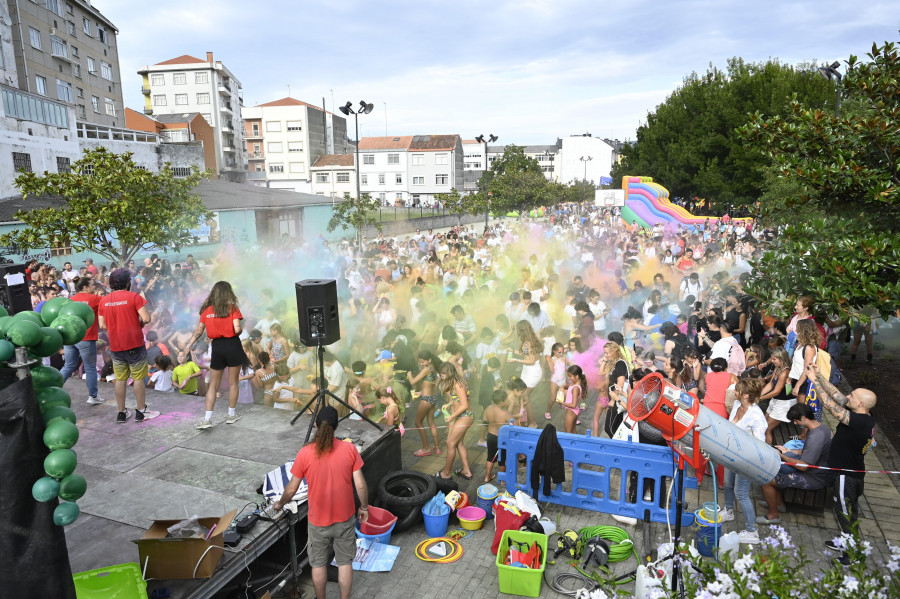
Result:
{"points": [[832, 73], [585, 160], [347, 109], [487, 196]]}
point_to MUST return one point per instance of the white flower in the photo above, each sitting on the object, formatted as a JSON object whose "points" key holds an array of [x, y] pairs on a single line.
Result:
{"points": [[895, 551], [866, 548], [893, 564], [850, 585], [743, 564], [715, 587]]}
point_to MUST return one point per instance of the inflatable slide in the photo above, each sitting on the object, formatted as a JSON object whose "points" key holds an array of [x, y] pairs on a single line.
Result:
{"points": [[647, 204]]}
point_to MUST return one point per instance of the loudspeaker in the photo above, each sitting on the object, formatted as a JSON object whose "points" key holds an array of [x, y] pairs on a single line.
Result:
{"points": [[317, 311], [15, 298]]}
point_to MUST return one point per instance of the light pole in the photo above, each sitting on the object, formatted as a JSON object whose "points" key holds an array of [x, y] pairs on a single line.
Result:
{"points": [[347, 109], [831, 72], [585, 160], [487, 196]]}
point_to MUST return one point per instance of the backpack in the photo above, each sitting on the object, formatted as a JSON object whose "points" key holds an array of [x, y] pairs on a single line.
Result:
{"points": [[681, 343]]}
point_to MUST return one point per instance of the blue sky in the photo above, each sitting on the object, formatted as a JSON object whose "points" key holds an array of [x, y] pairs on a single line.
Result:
{"points": [[528, 71]]}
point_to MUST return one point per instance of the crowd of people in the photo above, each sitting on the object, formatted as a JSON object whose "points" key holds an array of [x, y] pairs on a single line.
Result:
{"points": [[443, 331]]}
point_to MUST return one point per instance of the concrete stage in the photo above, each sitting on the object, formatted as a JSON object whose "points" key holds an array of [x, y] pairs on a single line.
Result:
{"points": [[166, 469]]}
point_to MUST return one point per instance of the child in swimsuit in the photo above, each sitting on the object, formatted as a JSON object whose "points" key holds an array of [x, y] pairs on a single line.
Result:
{"points": [[576, 383]]}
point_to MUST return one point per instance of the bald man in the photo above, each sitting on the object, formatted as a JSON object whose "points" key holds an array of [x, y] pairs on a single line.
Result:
{"points": [[852, 439]]}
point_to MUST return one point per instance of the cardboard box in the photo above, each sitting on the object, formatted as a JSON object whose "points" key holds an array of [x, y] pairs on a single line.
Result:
{"points": [[171, 559]]}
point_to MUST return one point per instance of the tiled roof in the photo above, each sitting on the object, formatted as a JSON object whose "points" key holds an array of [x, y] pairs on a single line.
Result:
{"points": [[385, 143], [183, 59], [183, 117], [471, 141], [434, 142], [289, 102], [335, 160]]}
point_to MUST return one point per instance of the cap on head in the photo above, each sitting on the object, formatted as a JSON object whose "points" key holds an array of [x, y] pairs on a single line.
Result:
{"points": [[329, 415]]}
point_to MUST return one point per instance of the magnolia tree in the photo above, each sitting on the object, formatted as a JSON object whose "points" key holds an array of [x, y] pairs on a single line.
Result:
{"points": [[110, 207]]}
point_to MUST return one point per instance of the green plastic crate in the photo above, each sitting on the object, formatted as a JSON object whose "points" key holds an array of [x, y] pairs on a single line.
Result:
{"points": [[521, 581], [115, 582]]}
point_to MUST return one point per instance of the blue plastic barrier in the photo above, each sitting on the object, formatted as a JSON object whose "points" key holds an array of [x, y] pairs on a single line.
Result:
{"points": [[594, 462]]}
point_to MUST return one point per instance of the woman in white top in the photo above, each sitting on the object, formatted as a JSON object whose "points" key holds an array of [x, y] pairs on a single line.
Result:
{"points": [[747, 416]]}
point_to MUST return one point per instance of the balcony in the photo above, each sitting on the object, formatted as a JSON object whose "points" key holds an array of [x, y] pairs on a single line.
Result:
{"points": [[224, 88], [225, 108], [255, 156], [61, 54], [255, 134], [226, 128], [91, 131], [257, 175], [25, 106], [145, 90]]}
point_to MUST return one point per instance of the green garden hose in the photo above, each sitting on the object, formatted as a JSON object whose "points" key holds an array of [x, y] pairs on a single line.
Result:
{"points": [[621, 546]]}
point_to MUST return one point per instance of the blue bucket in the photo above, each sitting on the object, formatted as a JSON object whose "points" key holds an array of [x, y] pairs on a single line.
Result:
{"points": [[486, 495], [436, 526], [383, 537], [708, 534]]}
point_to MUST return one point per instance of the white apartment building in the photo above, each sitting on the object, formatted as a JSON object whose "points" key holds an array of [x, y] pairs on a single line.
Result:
{"points": [[473, 155], [188, 84], [334, 175], [583, 157], [285, 138], [384, 168], [546, 156]]}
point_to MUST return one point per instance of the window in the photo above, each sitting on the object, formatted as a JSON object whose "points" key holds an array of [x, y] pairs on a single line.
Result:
{"points": [[393, 158], [110, 107], [201, 77], [35, 38], [203, 98], [80, 111], [101, 34], [381, 178], [70, 9], [179, 78], [368, 158], [399, 196], [273, 125], [181, 171], [418, 159], [86, 25], [276, 168], [92, 66], [106, 70], [63, 164], [70, 28], [274, 147], [442, 159], [75, 51], [55, 6], [342, 177], [398, 179], [58, 47], [295, 146], [418, 180], [79, 93], [208, 118], [157, 79], [76, 70], [159, 100], [322, 178], [441, 179], [298, 167], [364, 179], [27, 107], [382, 196], [63, 91], [295, 125], [21, 161], [40, 85], [95, 103], [180, 99]]}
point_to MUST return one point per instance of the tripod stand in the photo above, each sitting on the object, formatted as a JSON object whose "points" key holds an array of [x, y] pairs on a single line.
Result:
{"points": [[320, 395]]}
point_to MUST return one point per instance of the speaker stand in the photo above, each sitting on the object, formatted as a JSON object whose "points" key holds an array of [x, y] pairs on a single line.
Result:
{"points": [[320, 395]]}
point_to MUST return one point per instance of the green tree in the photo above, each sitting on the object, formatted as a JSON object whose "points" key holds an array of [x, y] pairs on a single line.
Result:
{"points": [[355, 213], [112, 208], [516, 182], [689, 144], [459, 205], [836, 184]]}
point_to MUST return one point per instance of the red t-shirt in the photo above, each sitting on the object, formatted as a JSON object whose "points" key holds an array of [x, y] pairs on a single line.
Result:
{"points": [[92, 300], [120, 311], [217, 328], [330, 480]]}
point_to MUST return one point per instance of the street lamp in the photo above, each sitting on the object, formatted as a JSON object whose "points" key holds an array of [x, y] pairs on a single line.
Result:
{"points": [[585, 160], [831, 73], [347, 109], [487, 196]]}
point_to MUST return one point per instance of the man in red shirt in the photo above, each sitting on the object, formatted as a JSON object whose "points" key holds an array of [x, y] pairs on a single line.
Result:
{"points": [[687, 262], [123, 314], [331, 469], [89, 264], [87, 347]]}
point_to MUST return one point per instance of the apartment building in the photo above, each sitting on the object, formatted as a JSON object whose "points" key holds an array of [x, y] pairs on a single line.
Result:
{"points": [[188, 84], [285, 138], [66, 51], [334, 175], [584, 158], [189, 127], [547, 156], [384, 168]]}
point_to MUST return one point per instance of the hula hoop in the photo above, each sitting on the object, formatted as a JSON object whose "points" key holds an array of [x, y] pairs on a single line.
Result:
{"points": [[423, 547]]}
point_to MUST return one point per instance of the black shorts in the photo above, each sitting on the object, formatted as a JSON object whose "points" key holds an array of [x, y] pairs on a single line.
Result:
{"points": [[227, 351], [492, 450]]}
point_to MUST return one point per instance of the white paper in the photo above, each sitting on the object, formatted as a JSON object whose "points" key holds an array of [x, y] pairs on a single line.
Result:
{"points": [[15, 279]]}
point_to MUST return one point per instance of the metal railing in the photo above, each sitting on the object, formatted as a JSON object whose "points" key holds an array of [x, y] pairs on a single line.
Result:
{"points": [[92, 131], [258, 175]]}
